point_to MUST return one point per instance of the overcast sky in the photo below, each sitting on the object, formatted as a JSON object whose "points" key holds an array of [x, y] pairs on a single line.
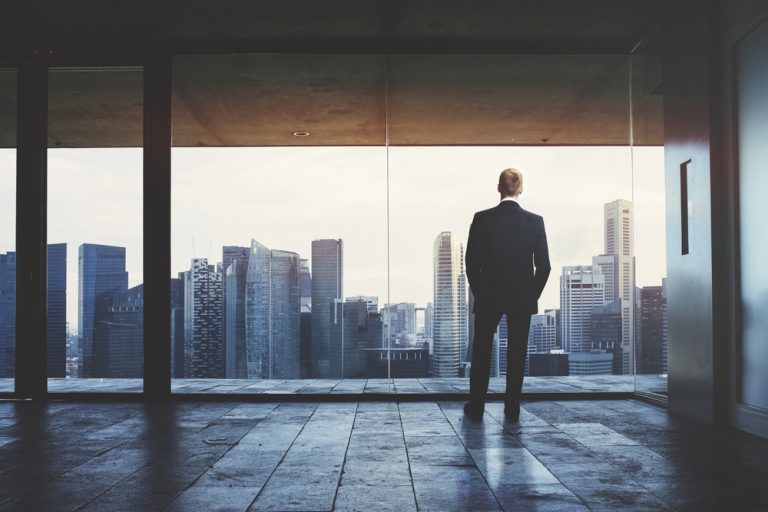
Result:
{"points": [[286, 197]]}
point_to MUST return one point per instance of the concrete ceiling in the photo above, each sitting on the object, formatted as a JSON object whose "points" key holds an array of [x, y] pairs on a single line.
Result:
{"points": [[255, 100], [261, 100]]}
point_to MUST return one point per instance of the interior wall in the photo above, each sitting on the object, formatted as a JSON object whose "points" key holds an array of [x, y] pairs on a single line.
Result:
{"points": [[744, 50], [688, 128]]}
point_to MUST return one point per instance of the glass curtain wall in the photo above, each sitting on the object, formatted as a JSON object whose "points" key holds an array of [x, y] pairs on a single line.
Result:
{"points": [[651, 364], [7, 229], [279, 222], [95, 253], [321, 208], [455, 123]]}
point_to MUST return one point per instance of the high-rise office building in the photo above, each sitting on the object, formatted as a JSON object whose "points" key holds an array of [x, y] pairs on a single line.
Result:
{"points": [[619, 242], [272, 314], [450, 306], [370, 300], [353, 328], [305, 285], [429, 318], [327, 287], [581, 289], [118, 336], [652, 342], [542, 336], [594, 362], [7, 314], [502, 341], [234, 319], [57, 310], [399, 323], [229, 255], [101, 274], [203, 321], [606, 332], [177, 327], [305, 345]]}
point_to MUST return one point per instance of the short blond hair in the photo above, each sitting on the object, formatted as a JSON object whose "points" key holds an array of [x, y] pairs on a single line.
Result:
{"points": [[510, 182]]}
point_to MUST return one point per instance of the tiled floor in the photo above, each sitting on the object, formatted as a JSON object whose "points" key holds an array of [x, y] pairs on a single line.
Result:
{"points": [[563, 456], [571, 384]]}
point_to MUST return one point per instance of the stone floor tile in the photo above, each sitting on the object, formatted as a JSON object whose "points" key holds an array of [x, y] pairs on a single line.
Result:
{"points": [[213, 499]]}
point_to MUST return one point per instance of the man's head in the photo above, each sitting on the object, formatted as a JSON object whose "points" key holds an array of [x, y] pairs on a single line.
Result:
{"points": [[510, 183]]}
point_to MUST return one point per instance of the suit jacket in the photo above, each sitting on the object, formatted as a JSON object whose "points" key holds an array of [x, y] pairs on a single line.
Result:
{"points": [[505, 243]]}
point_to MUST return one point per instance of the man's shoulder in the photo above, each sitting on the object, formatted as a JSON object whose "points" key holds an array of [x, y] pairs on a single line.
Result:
{"points": [[533, 216], [483, 213]]}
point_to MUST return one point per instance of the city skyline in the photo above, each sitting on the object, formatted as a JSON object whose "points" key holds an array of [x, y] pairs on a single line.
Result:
{"points": [[95, 196]]}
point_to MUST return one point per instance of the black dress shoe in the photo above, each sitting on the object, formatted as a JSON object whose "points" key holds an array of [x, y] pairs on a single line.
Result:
{"points": [[473, 411]]}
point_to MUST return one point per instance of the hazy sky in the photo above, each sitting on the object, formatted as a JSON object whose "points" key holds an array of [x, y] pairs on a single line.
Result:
{"points": [[286, 197]]}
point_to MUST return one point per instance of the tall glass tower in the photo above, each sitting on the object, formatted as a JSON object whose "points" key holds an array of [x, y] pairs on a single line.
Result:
{"points": [[272, 314], [101, 274], [619, 242], [449, 324], [57, 310], [203, 321], [327, 287]]}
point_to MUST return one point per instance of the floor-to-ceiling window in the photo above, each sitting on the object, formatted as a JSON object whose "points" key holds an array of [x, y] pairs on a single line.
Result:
{"points": [[95, 259], [320, 211], [279, 244], [7, 228], [652, 340], [350, 182]]}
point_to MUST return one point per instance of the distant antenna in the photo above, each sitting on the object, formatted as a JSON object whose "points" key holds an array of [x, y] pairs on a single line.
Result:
{"points": [[210, 246], [193, 246]]}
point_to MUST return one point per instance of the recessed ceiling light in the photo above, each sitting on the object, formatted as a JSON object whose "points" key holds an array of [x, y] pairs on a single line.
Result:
{"points": [[301, 134]]}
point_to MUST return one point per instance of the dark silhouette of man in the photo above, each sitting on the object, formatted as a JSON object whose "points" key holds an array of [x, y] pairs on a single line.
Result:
{"points": [[505, 244]]}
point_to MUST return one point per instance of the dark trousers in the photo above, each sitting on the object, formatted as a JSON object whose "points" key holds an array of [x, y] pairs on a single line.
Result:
{"points": [[518, 325]]}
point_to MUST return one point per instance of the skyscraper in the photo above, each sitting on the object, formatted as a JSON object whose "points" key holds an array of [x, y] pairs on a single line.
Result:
{"points": [[542, 335], [619, 242], [272, 314], [502, 335], [231, 254], [118, 336], [581, 289], [305, 285], [399, 323], [353, 328], [101, 274], [57, 310], [7, 314], [177, 327], [370, 300], [429, 320], [606, 326], [652, 343], [327, 287], [450, 306], [234, 324], [203, 321]]}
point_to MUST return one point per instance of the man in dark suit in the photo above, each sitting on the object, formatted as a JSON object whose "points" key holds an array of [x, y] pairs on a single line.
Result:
{"points": [[505, 244]]}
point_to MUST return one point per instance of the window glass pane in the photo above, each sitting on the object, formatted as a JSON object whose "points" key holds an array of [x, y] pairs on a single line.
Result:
{"points": [[7, 228], [279, 222], [651, 344], [455, 123], [95, 292]]}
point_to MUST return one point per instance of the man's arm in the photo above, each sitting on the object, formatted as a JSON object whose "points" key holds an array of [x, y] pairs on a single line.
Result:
{"points": [[474, 257], [541, 260]]}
